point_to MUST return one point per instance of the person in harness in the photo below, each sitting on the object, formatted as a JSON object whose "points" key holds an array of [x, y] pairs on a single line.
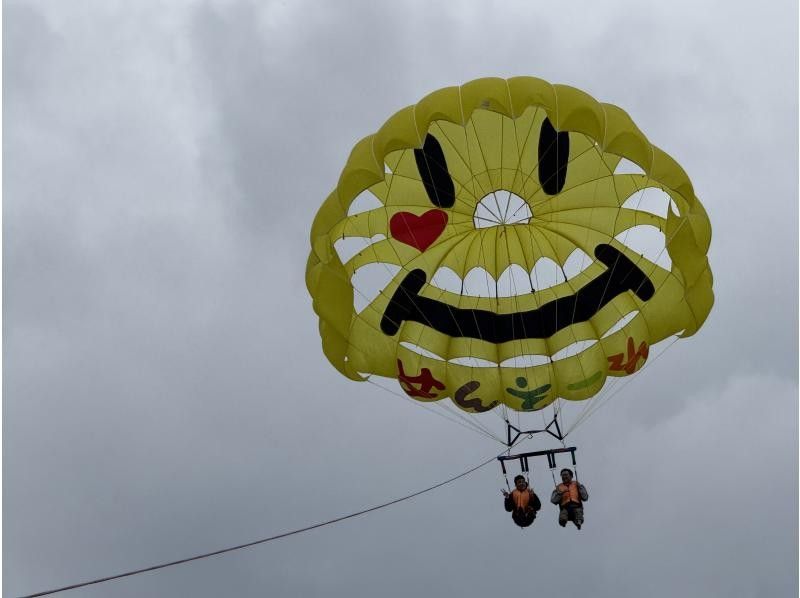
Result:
{"points": [[569, 496], [522, 502]]}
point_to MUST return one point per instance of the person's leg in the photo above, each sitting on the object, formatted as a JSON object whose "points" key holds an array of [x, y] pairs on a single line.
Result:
{"points": [[562, 517], [577, 516], [529, 518]]}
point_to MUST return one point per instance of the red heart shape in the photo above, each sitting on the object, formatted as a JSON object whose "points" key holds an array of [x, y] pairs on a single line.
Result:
{"points": [[418, 231]]}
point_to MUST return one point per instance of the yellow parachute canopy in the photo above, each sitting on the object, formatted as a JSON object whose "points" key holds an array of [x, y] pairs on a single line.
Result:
{"points": [[507, 242]]}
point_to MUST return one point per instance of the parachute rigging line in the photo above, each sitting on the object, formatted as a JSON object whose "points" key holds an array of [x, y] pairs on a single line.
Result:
{"points": [[465, 422], [604, 399], [264, 540]]}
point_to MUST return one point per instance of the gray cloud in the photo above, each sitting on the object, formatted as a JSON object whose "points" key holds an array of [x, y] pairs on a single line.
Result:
{"points": [[165, 391]]}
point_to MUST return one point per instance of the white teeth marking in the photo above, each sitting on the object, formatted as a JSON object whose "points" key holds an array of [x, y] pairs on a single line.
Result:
{"points": [[621, 323], [576, 262], [447, 280], [347, 247], [546, 273], [525, 361], [473, 362], [625, 166], [521, 361], [501, 207], [420, 350], [652, 200], [647, 241], [573, 349], [364, 202], [514, 281], [368, 282], [479, 283]]}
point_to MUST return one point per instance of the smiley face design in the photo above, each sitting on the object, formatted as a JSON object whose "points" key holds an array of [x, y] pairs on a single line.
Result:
{"points": [[507, 229]]}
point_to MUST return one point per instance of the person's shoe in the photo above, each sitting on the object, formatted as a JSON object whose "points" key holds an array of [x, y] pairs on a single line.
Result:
{"points": [[578, 525], [562, 524]]}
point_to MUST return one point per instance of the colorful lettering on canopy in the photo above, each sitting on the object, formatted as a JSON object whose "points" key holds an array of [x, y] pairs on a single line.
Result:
{"points": [[425, 380], [586, 382], [474, 404], [529, 397], [629, 366]]}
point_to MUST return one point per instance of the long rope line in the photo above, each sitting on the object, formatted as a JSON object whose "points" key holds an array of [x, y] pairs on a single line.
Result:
{"points": [[262, 541]]}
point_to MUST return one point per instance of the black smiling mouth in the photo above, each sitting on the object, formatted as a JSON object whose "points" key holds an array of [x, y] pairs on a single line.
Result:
{"points": [[621, 276]]}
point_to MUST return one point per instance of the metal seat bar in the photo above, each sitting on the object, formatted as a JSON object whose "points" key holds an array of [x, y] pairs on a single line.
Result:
{"points": [[510, 427], [523, 457]]}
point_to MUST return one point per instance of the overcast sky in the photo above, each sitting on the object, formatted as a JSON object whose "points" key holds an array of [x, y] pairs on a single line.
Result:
{"points": [[164, 389]]}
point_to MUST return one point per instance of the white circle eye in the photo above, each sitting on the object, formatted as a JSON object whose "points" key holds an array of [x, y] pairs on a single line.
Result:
{"points": [[501, 207]]}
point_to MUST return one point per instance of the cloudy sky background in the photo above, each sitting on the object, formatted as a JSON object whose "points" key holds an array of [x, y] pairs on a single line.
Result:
{"points": [[165, 393]]}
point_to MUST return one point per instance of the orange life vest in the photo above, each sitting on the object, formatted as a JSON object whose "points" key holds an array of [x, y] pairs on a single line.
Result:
{"points": [[521, 499], [570, 493]]}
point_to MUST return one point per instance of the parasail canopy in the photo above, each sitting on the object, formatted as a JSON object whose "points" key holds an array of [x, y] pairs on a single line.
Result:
{"points": [[507, 242]]}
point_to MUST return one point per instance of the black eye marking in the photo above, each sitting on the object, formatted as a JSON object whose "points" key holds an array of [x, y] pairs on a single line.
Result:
{"points": [[553, 157], [433, 169]]}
